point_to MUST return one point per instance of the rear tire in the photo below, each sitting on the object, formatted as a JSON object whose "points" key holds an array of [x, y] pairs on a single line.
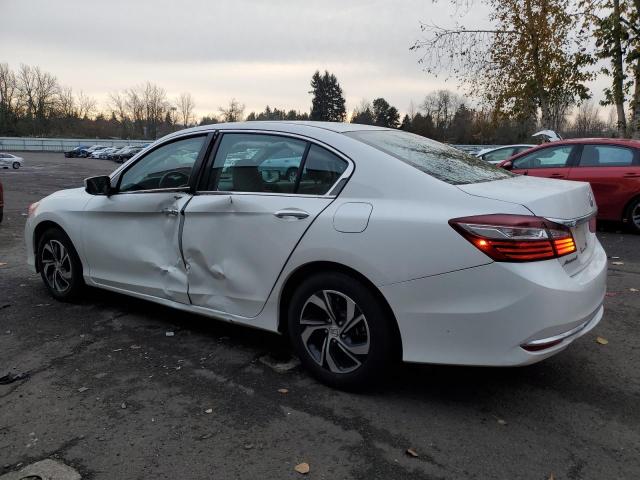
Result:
{"points": [[59, 265], [633, 216], [340, 331]]}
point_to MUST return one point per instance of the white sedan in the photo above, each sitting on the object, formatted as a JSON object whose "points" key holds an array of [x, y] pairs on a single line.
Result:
{"points": [[384, 245], [8, 160]]}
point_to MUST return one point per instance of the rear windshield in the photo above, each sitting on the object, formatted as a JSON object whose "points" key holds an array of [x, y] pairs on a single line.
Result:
{"points": [[436, 159]]}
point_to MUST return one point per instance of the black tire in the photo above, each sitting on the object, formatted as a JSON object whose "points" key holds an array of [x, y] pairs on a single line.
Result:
{"points": [[66, 282], [633, 216], [16, 165], [1, 214], [378, 328]]}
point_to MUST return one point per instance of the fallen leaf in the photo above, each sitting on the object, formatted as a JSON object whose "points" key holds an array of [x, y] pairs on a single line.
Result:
{"points": [[302, 468], [611, 294], [552, 477], [602, 340], [209, 410], [169, 334], [502, 422], [2, 264], [411, 452], [248, 446], [617, 263], [634, 290], [123, 405], [83, 389], [283, 391]]}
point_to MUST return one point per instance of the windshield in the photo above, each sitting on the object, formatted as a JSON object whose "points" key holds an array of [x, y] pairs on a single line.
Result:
{"points": [[436, 159]]}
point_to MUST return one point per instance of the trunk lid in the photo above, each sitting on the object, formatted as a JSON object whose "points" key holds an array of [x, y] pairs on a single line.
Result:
{"points": [[566, 202]]}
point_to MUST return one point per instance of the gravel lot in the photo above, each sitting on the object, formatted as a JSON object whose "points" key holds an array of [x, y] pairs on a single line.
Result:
{"points": [[114, 397]]}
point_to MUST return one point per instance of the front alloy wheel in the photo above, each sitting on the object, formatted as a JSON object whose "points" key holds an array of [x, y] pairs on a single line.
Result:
{"points": [[59, 265], [16, 165], [634, 216], [56, 266]]}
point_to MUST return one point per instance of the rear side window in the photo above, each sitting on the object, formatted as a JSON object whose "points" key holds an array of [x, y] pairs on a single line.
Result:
{"points": [[321, 171], [436, 159], [606, 156], [499, 155]]}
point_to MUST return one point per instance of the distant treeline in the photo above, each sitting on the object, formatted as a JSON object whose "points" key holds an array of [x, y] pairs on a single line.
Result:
{"points": [[34, 103]]}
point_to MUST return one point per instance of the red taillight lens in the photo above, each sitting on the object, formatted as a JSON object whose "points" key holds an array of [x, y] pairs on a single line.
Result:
{"points": [[516, 238]]}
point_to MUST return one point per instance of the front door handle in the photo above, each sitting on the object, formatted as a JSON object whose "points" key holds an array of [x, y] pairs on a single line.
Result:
{"points": [[291, 213], [171, 211], [556, 175], [631, 175]]}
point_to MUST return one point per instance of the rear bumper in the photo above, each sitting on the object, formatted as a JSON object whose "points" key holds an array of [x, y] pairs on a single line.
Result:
{"points": [[483, 315]]}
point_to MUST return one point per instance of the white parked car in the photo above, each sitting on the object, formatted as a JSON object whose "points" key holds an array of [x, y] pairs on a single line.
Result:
{"points": [[8, 160], [384, 244], [99, 151], [498, 154]]}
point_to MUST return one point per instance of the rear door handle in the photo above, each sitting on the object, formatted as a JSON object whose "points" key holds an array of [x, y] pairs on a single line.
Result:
{"points": [[631, 175], [556, 175], [170, 211], [291, 213]]}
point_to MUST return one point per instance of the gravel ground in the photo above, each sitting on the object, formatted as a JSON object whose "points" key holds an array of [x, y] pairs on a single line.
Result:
{"points": [[111, 395]]}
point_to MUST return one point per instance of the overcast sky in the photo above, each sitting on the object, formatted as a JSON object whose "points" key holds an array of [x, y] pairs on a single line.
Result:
{"points": [[260, 52]]}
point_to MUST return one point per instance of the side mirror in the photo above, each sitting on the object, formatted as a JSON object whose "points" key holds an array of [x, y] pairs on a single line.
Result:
{"points": [[98, 185], [507, 165]]}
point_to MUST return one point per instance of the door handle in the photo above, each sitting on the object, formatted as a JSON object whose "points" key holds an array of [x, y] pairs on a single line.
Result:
{"points": [[291, 213], [556, 175], [631, 175], [171, 211]]}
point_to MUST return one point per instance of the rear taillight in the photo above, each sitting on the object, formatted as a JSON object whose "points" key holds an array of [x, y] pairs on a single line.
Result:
{"points": [[516, 238]]}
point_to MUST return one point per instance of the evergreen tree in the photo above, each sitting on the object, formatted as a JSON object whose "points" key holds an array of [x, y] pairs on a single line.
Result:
{"points": [[384, 114], [328, 102], [363, 114], [406, 124]]}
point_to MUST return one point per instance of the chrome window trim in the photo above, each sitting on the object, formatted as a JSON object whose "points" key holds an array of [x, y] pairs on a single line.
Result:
{"points": [[155, 190], [345, 175]]}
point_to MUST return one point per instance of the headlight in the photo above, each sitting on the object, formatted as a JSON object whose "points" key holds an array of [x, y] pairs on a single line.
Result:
{"points": [[32, 209]]}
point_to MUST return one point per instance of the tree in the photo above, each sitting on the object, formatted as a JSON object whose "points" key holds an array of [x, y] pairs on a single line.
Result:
{"points": [[406, 124], [633, 61], [384, 114], [587, 120], [611, 35], [328, 102], [233, 113], [533, 57], [363, 114], [185, 105]]}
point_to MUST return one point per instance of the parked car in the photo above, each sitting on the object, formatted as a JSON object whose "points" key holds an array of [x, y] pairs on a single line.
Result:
{"points": [[86, 152], [498, 154], [122, 157], [75, 152], [116, 151], [611, 166], [385, 243], [1, 202], [104, 153], [98, 151], [9, 160]]}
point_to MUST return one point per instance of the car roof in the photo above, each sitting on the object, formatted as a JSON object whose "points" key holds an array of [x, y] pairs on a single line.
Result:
{"points": [[283, 125], [625, 142]]}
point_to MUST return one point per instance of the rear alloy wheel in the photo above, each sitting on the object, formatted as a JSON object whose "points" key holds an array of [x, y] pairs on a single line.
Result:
{"points": [[60, 267], [633, 217], [339, 330], [16, 165]]}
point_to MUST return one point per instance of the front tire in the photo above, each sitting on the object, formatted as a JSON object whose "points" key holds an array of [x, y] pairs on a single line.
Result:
{"points": [[633, 216], [16, 165], [340, 331], [59, 265]]}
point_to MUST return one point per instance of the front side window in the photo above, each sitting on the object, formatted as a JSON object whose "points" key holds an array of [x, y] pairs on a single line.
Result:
{"points": [[433, 158], [550, 157], [168, 166], [247, 162], [605, 156]]}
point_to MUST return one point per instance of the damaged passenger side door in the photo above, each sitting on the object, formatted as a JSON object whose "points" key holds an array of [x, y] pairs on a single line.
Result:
{"points": [[132, 236]]}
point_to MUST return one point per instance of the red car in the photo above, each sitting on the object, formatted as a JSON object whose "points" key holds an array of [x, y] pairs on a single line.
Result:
{"points": [[612, 166], [1, 202]]}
